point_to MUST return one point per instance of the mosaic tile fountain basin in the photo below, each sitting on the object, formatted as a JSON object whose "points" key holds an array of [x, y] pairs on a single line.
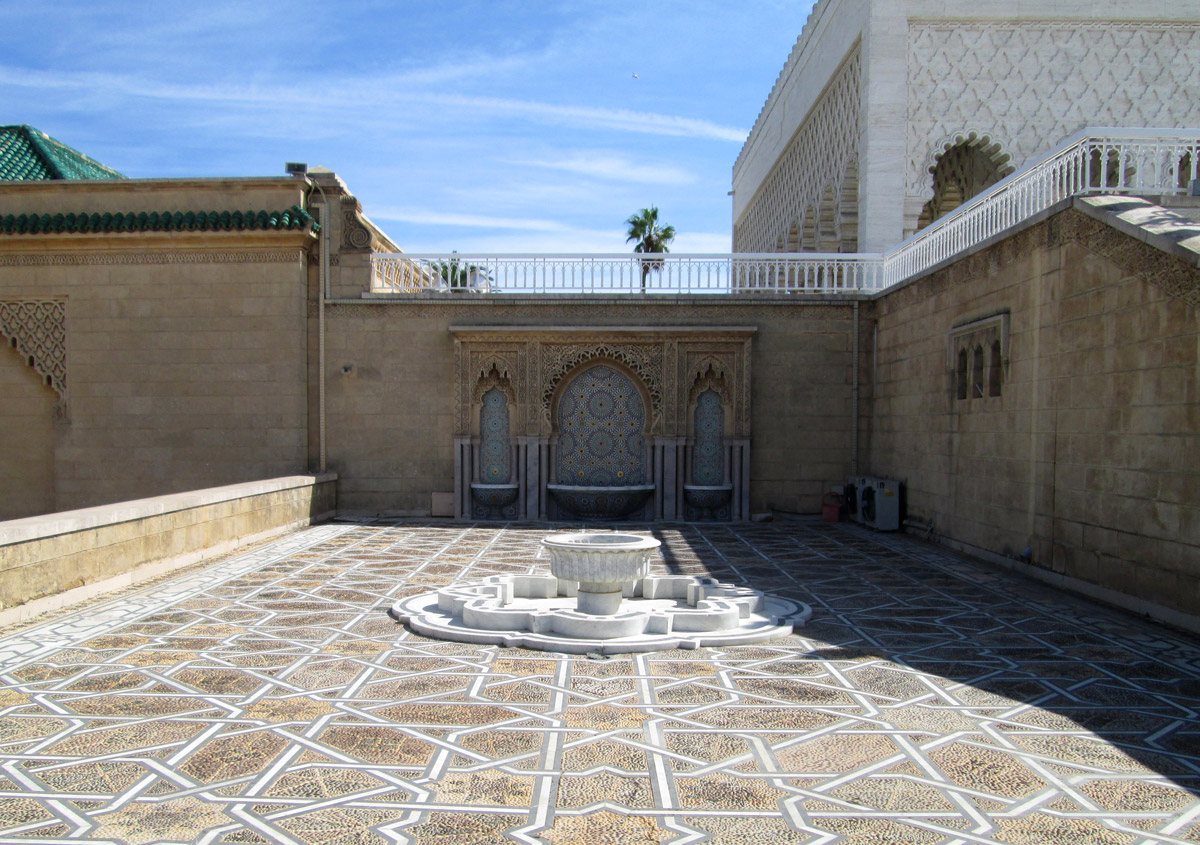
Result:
{"points": [[494, 495], [707, 497], [591, 502], [659, 612]]}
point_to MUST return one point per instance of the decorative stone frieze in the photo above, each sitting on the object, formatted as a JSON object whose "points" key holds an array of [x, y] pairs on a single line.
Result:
{"points": [[37, 329]]}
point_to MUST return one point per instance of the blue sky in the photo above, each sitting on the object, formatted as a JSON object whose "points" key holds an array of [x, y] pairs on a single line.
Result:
{"points": [[478, 126]]}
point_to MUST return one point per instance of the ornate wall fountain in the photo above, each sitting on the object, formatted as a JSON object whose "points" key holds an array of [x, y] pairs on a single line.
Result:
{"points": [[602, 422]]}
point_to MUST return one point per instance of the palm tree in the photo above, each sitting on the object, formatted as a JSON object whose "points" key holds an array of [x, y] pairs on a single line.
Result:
{"points": [[649, 237]]}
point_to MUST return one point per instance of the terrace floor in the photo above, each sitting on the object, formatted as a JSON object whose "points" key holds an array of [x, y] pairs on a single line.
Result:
{"points": [[269, 698]]}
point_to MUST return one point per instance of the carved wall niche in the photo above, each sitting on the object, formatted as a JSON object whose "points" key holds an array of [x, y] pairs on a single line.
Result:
{"points": [[643, 360], [667, 360], [494, 379], [711, 374], [672, 366]]}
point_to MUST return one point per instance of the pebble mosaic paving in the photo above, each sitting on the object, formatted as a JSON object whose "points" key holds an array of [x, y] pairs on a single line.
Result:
{"points": [[270, 699]]}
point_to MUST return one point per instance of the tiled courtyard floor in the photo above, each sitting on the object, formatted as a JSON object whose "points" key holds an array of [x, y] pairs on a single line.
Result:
{"points": [[269, 698]]}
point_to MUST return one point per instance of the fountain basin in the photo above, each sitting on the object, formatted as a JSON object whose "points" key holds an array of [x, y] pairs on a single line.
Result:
{"points": [[707, 499], [590, 502], [660, 612], [600, 564], [494, 496]]}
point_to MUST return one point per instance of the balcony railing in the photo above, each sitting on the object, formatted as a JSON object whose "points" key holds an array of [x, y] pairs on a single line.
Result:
{"points": [[1095, 161], [624, 273]]}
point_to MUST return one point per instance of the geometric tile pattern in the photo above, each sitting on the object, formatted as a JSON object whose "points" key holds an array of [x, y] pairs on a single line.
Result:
{"points": [[601, 419], [271, 699], [495, 453], [708, 456]]}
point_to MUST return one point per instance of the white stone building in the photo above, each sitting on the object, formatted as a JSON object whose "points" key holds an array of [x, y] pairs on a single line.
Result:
{"points": [[889, 113]]}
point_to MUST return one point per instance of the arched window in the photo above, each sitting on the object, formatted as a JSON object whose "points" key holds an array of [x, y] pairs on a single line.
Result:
{"points": [[977, 373], [994, 370], [848, 209], [828, 240], [964, 170], [808, 230], [960, 378], [793, 238]]}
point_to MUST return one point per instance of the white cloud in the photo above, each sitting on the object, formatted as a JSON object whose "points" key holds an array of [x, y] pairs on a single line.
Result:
{"points": [[471, 221], [373, 93], [616, 168]]}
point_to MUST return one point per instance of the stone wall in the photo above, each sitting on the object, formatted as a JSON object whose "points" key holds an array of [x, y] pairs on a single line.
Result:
{"points": [[47, 561], [26, 439], [1090, 456], [176, 359], [390, 403]]}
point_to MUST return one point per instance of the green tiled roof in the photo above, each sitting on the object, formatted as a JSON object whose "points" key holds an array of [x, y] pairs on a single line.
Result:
{"points": [[293, 219], [27, 154]]}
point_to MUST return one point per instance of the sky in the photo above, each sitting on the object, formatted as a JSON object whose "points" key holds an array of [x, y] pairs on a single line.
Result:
{"points": [[469, 125]]}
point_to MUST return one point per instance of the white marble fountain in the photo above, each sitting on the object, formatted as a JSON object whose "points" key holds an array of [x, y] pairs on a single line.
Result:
{"points": [[600, 597]]}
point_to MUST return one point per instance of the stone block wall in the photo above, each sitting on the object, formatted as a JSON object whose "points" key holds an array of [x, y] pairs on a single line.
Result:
{"points": [[179, 357], [390, 403], [93, 550], [26, 439], [1090, 456]]}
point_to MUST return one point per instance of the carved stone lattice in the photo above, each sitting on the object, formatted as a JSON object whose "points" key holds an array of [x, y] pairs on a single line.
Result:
{"points": [[495, 378], [1030, 84], [807, 183], [37, 329], [709, 373]]}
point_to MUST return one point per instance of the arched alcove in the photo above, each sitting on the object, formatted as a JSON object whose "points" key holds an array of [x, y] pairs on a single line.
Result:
{"points": [[495, 448], [965, 167], [600, 420]]}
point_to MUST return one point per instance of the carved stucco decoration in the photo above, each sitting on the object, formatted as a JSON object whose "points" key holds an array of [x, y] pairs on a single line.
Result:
{"points": [[355, 233], [1029, 84], [534, 361], [709, 372], [643, 359], [37, 329]]}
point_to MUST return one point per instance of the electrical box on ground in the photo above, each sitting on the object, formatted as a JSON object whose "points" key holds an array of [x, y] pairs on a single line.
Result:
{"points": [[876, 502]]}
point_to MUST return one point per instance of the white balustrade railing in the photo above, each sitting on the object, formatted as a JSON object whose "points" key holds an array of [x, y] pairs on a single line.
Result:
{"points": [[1131, 161], [624, 273]]}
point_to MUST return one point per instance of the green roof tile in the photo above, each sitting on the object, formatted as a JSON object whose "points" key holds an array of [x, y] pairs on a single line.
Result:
{"points": [[292, 219], [27, 154]]}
